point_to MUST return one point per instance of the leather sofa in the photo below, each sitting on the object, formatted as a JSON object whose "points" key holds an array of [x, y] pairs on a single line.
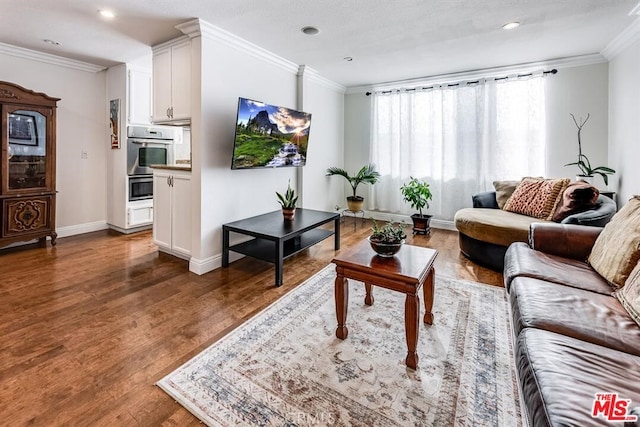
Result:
{"points": [[486, 231], [572, 338]]}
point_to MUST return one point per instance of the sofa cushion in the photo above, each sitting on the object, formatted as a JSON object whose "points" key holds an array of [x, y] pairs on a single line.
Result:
{"points": [[560, 376], [587, 316], [537, 197], [616, 251], [522, 261], [493, 225], [504, 190], [577, 197], [629, 295]]}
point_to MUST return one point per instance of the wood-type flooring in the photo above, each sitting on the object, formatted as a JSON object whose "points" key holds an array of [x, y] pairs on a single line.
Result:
{"points": [[88, 326]]}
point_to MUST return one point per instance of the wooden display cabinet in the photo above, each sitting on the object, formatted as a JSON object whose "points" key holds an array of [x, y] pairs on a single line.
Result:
{"points": [[27, 165]]}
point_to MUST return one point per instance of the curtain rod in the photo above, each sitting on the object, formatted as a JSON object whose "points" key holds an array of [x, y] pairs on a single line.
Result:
{"points": [[495, 79]]}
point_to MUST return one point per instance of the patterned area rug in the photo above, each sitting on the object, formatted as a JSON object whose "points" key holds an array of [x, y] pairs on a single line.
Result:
{"points": [[286, 367]]}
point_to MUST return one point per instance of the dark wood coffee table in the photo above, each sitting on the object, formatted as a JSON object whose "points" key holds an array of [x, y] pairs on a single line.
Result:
{"points": [[276, 239], [406, 272]]}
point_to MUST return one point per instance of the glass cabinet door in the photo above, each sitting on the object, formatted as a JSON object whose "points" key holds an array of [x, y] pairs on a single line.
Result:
{"points": [[26, 149]]}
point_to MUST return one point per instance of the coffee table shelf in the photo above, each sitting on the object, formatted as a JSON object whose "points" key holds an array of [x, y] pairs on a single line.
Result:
{"points": [[265, 249]]}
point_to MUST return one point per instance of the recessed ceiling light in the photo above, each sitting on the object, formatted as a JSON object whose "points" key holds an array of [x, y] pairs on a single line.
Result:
{"points": [[348, 58], [53, 42], [511, 25], [107, 13], [310, 31]]}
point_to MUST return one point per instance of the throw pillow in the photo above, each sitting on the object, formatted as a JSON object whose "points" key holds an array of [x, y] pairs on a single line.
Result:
{"points": [[629, 295], [577, 197], [536, 197], [616, 251], [504, 190]]}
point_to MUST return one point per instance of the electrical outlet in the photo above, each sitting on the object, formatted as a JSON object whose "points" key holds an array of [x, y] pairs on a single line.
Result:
{"points": [[84, 154]]}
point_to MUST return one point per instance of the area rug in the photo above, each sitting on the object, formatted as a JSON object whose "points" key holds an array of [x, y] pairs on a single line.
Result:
{"points": [[285, 367]]}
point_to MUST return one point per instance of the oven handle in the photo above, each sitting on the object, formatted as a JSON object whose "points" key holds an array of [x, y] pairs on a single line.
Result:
{"points": [[150, 141]]}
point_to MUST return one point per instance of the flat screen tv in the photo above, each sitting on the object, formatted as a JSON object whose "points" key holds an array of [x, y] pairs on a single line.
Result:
{"points": [[268, 136]]}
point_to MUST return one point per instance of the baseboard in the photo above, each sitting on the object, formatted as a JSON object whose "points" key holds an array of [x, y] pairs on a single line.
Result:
{"points": [[202, 266], [88, 227], [384, 216]]}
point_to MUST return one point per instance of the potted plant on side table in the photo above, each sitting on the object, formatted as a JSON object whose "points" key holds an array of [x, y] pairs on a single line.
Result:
{"points": [[367, 174], [288, 202], [387, 240], [417, 193], [583, 163]]}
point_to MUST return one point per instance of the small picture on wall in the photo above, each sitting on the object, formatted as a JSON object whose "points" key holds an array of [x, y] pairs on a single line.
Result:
{"points": [[114, 122], [22, 129]]}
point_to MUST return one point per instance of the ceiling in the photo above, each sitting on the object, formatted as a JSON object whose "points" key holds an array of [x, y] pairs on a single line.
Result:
{"points": [[388, 40]]}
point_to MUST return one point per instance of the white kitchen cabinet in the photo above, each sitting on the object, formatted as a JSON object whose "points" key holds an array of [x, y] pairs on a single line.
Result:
{"points": [[172, 211], [140, 213], [172, 82], [139, 96]]}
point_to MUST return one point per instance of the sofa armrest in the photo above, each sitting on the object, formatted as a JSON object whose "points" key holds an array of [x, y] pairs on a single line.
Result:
{"points": [[486, 199], [565, 240], [597, 217]]}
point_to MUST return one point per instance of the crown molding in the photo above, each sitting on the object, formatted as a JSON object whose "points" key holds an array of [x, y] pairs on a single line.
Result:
{"points": [[626, 38], [34, 55], [198, 27], [574, 61], [312, 75]]}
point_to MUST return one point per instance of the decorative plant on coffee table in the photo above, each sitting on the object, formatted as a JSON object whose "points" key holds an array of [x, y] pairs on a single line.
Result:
{"points": [[367, 174], [288, 202], [417, 193], [387, 240], [583, 163]]}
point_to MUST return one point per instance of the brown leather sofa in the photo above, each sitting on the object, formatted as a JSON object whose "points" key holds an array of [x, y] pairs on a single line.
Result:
{"points": [[573, 339]]}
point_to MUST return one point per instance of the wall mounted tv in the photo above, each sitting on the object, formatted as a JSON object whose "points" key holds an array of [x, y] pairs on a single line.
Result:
{"points": [[268, 136]]}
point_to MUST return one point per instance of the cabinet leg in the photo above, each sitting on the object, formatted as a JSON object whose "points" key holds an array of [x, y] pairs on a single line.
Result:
{"points": [[342, 303], [54, 236]]}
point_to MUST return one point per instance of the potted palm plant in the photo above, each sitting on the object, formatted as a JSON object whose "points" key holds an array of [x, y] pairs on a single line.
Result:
{"points": [[367, 174], [288, 202], [417, 193], [583, 163]]}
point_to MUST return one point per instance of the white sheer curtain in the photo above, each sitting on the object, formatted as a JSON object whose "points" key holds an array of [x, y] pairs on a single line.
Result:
{"points": [[457, 139]]}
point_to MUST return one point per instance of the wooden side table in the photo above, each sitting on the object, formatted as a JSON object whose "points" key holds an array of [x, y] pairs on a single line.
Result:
{"points": [[406, 272]]}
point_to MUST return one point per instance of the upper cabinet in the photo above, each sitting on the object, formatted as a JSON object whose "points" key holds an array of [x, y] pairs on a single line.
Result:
{"points": [[139, 96], [27, 165], [172, 82]]}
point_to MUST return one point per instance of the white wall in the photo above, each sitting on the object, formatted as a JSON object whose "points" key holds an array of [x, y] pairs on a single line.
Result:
{"points": [[226, 195], [624, 122], [81, 126], [325, 145], [578, 90]]}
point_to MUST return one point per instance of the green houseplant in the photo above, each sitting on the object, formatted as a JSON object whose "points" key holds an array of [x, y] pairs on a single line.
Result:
{"points": [[417, 193], [288, 202], [387, 240], [367, 174], [583, 163]]}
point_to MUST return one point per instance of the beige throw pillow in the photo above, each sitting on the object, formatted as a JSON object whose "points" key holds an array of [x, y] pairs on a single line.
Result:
{"points": [[537, 197], [616, 251], [504, 190], [629, 295]]}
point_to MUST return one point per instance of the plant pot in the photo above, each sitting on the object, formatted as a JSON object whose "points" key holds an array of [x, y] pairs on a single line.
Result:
{"points": [[354, 204], [421, 224], [288, 213], [586, 178], [385, 250]]}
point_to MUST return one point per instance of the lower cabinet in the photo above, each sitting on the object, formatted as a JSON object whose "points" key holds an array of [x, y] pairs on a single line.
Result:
{"points": [[172, 211], [26, 218]]}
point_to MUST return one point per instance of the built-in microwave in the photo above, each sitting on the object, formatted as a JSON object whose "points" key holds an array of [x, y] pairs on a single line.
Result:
{"points": [[140, 187], [150, 145]]}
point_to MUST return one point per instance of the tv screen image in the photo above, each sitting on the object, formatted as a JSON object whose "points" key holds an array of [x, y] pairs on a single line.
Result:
{"points": [[268, 136]]}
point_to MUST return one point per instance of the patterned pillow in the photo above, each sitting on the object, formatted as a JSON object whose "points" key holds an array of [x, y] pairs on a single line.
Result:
{"points": [[616, 251], [629, 295], [504, 190], [537, 197]]}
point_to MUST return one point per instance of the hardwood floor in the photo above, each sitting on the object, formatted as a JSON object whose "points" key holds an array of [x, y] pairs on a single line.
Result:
{"points": [[89, 326]]}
